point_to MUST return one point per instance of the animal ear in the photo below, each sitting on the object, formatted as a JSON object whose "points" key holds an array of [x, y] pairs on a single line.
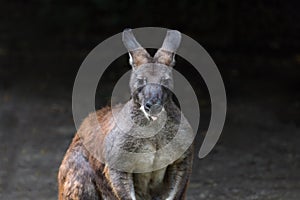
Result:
{"points": [[166, 54], [137, 54]]}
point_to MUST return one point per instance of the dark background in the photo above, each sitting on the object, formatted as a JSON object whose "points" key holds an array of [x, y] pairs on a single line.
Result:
{"points": [[255, 44]]}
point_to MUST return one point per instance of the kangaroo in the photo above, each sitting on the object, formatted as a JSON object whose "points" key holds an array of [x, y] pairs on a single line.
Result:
{"points": [[97, 165]]}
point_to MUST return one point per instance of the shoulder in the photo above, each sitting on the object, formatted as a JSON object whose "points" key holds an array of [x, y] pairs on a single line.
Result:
{"points": [[100, 121]]}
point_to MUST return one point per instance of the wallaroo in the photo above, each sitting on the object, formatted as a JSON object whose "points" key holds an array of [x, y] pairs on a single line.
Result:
{"points": [[139, 150]]}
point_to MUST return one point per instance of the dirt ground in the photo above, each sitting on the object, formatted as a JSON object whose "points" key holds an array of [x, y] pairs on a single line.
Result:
{"points": [[257, 157]]}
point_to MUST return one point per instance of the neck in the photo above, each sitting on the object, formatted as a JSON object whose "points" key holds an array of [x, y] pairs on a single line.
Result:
{"points": [[137, 114]]}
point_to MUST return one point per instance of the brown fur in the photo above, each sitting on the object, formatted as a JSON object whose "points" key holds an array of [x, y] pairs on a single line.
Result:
{"points": [[140, 57], [86, 172], [164, 57], [98, 172]]}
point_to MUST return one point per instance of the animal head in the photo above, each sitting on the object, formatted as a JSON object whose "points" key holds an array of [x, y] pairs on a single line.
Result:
{"points": [[151, 78]]}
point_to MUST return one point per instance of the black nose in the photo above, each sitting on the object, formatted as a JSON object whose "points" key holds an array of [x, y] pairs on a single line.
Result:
{"points": [[148, 106], [153, 107]]}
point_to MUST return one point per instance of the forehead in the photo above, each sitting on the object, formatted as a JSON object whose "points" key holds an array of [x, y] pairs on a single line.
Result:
{"points": [[152, 70]]}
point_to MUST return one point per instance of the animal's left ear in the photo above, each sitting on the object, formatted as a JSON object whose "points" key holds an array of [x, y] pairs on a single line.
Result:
{"points": [[166, 54], [138, 55]]}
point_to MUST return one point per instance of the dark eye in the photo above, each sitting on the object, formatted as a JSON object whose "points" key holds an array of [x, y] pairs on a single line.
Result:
{"points": [[141, 81]]}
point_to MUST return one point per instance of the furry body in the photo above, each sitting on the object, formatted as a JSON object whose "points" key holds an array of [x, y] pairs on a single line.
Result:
{"points": [[92, 166]]}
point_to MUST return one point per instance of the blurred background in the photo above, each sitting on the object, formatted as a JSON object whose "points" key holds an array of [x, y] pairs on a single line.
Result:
{"points": [[255, 44]]}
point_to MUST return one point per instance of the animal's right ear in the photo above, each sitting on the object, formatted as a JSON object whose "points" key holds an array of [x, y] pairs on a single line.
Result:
{"points": [[137, 54], [165, 55]]}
